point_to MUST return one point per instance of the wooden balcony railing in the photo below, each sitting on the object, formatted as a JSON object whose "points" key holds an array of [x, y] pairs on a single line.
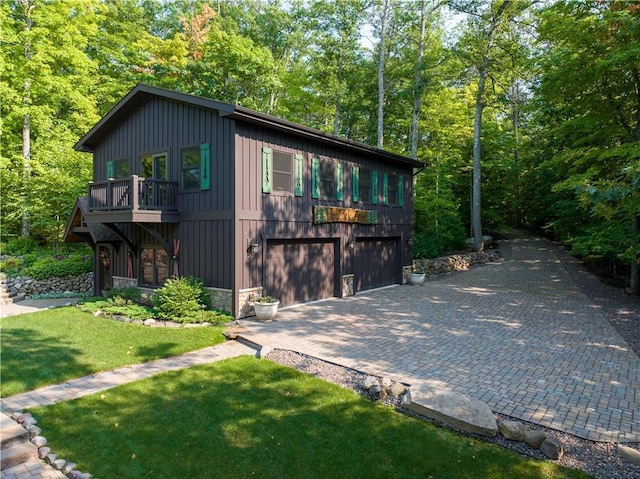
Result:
{"points": [[133, 193]]}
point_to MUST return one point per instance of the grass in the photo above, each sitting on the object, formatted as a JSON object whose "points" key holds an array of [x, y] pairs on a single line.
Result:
{"points": [[52, 346], [245, 417]]}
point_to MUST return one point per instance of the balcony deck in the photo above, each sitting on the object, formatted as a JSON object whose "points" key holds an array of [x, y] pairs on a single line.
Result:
{"points": [[133, 200]]}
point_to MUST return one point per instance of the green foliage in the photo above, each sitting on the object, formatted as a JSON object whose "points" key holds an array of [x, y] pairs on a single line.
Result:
{"points": [[11, 266], [182, 299], [438, 227], [130, 293], [117, 306], [265, 299], [19, 246], [50, 267]]}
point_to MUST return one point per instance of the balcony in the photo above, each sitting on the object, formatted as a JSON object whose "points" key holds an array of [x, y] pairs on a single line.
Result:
{"points": [[133, 199]]}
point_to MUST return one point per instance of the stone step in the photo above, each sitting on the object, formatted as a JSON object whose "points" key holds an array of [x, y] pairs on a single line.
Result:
{"points": [[32, 469], [18, 454], [12, 434]]}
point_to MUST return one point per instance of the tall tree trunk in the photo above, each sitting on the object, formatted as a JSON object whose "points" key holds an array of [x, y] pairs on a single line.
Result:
{"points": [[26, 122], [381, 57], [476, 220], [417, 88], [476, 204]]}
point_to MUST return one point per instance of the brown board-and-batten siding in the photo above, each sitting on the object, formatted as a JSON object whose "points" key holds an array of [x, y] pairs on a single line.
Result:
{"points": [[289, 243], [206, 215]]}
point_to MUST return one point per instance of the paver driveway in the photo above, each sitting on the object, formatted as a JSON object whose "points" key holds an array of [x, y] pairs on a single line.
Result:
{"points": [[519, 335]]}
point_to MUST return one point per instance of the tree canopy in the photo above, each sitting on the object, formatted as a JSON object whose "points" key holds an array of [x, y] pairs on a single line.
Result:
{"points": [[542, 97]]}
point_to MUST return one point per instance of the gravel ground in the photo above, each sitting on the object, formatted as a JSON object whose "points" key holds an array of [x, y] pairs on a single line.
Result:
{"points": [[598, 459]]}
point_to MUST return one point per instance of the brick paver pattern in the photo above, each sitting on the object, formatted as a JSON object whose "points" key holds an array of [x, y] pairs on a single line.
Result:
{"points": [[518, 335]]}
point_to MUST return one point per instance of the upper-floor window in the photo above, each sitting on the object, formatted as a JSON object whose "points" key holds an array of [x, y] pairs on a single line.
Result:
{"points": [[282, 172], [392, 190], [118, 168], [365, 185], [154, 166], [194, 167], [327, 181]]}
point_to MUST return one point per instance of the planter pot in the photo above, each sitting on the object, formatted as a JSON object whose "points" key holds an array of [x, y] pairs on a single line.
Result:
{"points": [[266, 311], [416, 278]]}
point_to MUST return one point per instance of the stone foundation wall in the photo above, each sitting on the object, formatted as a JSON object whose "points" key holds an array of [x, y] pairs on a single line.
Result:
{"points": [[27, 287], [120, 282]]}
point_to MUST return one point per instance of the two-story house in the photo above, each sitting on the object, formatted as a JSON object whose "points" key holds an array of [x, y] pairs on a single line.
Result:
{"points": [[249, 203]]}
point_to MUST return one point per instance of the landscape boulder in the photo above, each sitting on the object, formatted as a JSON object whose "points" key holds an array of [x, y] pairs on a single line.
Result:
{"points": [[512, 430], [462, 412], [552, 448], [534, 438]]}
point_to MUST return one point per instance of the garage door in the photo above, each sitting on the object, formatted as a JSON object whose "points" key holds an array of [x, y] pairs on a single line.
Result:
{"points": [[377, 263], [300, 271]]}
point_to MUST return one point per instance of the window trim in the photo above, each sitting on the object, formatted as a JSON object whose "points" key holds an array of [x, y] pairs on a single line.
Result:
{"points": [[297, 172], [154, 155]]}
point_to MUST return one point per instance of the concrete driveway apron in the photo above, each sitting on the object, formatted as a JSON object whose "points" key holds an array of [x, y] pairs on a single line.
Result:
{"points": [[519, 335]]}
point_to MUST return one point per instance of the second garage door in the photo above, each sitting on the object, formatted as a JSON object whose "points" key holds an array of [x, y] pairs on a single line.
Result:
{"points": [[300, 271], [377, 263]]}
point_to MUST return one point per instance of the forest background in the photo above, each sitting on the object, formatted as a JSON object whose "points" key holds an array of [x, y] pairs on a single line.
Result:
{"points": [[526, 113]]}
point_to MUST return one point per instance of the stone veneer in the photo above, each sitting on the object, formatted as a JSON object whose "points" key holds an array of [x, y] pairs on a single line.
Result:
{"points": [[246, 303], [347, 285]]}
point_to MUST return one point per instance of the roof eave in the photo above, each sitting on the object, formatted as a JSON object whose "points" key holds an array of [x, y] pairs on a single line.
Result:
{"points": [[251, 116]]}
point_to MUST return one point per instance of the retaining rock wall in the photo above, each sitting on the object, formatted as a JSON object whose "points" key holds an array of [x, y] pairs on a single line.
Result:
{"points": [[457, 262], [26, 287]]}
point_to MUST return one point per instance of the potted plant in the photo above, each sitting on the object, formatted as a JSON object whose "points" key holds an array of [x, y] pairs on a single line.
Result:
{"points": [[417, 275], [266, 307]]}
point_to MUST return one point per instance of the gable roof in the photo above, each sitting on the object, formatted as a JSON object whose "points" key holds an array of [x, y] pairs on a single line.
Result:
{"points": [[142, 93]]}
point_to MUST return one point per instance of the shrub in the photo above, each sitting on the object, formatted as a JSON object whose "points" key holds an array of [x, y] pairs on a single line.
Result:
{"points": [[182, 300], [130, 293], [50, 267]]}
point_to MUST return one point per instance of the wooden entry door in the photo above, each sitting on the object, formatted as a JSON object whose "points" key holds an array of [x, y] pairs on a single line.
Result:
{"points": [[105, 268]]}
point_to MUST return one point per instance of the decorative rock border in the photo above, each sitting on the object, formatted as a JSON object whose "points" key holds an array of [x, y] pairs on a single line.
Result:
{"points": [[151, 323], [45, 454]]}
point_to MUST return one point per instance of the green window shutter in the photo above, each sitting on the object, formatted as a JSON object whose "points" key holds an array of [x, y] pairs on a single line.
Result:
{"points": [[299, 174], [315, 178], [401, 190], [374, 187], [205, 166], [355, 183], [339, 182], [385, 188], [110, 173], [267, 170]]}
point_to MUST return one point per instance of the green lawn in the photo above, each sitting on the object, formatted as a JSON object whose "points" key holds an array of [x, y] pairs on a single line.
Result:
{"points": [[52, 346], [246, 417]]}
